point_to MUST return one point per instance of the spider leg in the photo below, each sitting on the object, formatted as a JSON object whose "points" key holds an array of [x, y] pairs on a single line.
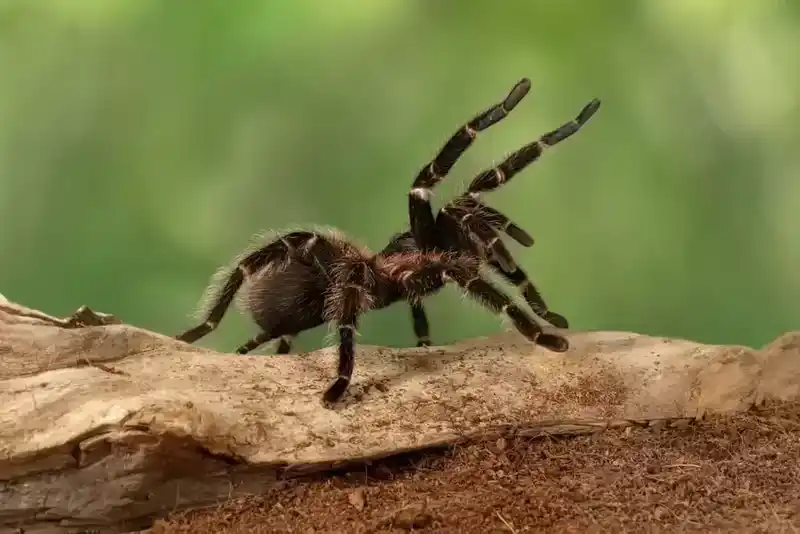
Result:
{"points": [[468, 210], [350, 296], [483, 291], [491, 179], [284, 343], [347, 360], [421, 328], [464, 272], [501, 260], [401, 242], [404, 242], [493, 217], [254, 342], [419, 207], [480, 231], [532, 296]]}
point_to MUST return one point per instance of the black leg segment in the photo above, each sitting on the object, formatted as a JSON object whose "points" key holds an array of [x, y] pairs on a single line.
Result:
{"points": [[254, 342], [491, 179], [496, 301], [347, 362], [421, 328], [519, 278]]}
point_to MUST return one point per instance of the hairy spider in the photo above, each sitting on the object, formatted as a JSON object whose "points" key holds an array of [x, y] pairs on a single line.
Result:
{"points": [[303, 279]]}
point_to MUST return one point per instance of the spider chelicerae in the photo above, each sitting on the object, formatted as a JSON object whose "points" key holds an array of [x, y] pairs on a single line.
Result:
{"points": [[302, 279]]}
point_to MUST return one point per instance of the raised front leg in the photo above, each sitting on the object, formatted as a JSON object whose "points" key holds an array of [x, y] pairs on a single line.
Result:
{"points": [[419, 208], [491, 179]]}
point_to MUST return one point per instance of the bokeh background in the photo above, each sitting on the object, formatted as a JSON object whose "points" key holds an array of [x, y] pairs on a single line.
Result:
{"points": [[143, 143]]}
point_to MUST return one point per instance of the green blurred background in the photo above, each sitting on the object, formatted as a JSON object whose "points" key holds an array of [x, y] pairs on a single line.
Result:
{"points": [[143, 143]]}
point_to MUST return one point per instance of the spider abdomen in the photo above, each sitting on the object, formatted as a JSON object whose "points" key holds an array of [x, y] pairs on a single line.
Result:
{"points": [[287, 300]]}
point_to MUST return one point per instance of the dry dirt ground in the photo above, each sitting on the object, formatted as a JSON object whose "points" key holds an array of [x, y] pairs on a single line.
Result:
{"points": [[720, 475]]}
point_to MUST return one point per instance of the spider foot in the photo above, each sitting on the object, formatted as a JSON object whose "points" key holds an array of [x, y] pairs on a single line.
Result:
{"points": [[553, 342], [336, 390]]}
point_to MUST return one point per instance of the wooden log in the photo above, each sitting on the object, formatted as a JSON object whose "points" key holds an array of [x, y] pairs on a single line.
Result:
{"points": [[106, 426]]}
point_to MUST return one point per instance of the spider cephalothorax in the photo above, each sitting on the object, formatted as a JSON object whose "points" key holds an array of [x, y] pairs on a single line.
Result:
{"points": [[303, 279]]}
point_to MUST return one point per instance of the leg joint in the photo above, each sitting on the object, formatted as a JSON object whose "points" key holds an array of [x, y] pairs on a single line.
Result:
{"points": [[422, 193]]}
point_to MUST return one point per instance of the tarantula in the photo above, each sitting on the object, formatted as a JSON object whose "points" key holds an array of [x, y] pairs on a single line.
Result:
{"points": [[303, 279]]}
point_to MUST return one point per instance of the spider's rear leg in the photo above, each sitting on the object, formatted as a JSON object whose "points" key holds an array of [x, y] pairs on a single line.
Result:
{"points": [[531, 294], [294, 245], [284, 343], [420, 212], [221, 304], [247, 266], [491, 179]]}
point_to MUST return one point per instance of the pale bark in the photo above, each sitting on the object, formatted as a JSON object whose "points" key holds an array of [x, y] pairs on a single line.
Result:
{"points": [[107, 426]]}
